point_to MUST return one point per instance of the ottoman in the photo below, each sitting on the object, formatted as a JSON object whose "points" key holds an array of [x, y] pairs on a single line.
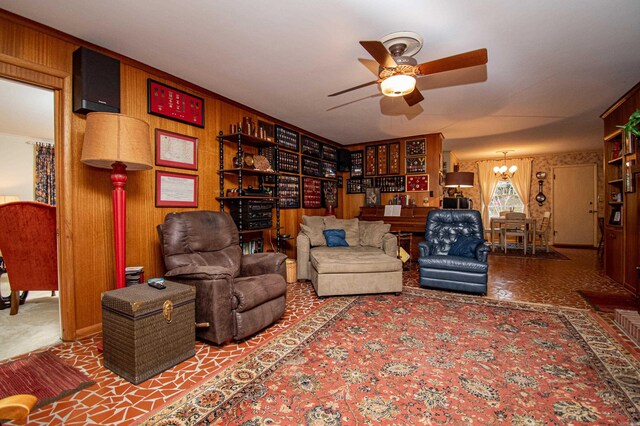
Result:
{"points": [[345, 272]]}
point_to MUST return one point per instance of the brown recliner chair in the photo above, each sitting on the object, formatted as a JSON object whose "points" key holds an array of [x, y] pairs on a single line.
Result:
{"points": [[237, 295]]}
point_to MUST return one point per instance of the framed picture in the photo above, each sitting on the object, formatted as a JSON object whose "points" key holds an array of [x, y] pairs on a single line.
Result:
{"points": [[176, 189], [629, 181], [394, 158], [416, 165], [287, 138], [174, 104], [370, 164], [311, 193], [418, 183], [416, 147], [383, 159], [175, 150], [372, 197], [357, 164]]}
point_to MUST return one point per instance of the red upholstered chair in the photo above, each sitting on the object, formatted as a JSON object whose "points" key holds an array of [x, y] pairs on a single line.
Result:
{"points": [[29, 248]]}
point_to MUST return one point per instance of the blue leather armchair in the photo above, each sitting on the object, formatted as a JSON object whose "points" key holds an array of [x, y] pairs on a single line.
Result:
{"points": [[441, 271]]}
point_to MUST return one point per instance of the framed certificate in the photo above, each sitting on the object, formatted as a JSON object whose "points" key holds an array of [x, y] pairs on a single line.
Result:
{"points": [[176, 189], [175, 150]]}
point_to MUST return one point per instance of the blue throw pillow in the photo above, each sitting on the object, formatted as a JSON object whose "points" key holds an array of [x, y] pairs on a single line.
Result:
{"points": [[465, 246], [335, 237]]}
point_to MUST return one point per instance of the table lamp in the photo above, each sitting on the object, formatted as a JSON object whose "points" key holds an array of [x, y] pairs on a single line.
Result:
{"points": [[120, 143], [458, 180]]}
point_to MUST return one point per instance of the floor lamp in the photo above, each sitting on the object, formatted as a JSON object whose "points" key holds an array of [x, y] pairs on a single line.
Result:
{"points": [[119, 143]]}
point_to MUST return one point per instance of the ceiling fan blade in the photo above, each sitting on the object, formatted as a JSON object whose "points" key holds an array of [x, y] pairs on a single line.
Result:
{"points": [[413, 97], [463, 60], [379, 53], [354, 88]]}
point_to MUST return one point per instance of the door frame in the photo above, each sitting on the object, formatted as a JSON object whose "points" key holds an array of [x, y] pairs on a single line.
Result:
{"points": [[594, 215], [61, 84]]}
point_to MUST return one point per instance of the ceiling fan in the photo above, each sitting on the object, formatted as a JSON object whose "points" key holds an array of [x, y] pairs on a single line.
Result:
{"points": [[398, 69]]}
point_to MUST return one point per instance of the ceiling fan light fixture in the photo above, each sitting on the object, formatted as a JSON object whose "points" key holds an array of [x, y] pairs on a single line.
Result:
{"points": [[398, 85]]}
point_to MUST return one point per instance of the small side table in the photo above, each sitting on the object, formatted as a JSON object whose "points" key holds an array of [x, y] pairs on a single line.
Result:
{"points": [[405, 240]]}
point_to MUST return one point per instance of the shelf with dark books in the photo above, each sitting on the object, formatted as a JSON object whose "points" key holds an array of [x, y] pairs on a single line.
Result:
{"points": [[287, 138], [311, 147], [329, 169], [289, 191], [311, 166], [329, 153]]}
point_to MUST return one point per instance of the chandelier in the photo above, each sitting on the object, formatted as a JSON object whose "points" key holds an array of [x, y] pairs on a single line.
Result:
{"points": [[504, 172]]}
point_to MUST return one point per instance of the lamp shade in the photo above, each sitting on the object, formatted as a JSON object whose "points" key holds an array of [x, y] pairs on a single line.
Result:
{"points": [[116, 138], [459, 179], [4, 199]]}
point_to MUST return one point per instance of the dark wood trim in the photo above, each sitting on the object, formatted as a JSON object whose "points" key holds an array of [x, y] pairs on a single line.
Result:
{"points": [[620, 101]]}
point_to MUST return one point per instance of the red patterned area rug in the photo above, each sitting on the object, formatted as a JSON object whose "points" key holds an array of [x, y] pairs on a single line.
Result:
{"points": [[421, 358], [42, 374]]}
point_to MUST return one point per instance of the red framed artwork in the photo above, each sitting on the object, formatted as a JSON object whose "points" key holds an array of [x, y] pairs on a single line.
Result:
{"points": [[370, 163], [174, 104], [175, 150], [394, 158], [383, 159], [176, 189], [418, 183]]}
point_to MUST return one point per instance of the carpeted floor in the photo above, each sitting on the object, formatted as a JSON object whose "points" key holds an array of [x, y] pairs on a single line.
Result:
{"points": [[424, 357]]}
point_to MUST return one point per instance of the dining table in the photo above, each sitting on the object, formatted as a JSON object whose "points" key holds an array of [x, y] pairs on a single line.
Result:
{"points": [[498, 224]]}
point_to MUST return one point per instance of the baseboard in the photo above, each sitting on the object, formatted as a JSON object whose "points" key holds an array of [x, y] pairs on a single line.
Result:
{"points": [[578, 246], [88, 331]]}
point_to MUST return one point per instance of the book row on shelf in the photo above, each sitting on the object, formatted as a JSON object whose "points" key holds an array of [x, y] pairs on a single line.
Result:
{"points": [[253, 246]]}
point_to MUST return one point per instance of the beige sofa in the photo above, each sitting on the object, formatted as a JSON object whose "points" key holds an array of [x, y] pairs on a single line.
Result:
{"points": [[368, 265]]}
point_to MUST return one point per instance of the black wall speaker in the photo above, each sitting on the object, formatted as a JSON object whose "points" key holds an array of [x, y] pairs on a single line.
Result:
{"points": [[344, 160], [96, 82]]}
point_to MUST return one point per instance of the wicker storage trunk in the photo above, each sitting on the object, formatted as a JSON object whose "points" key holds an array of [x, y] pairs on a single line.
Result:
{"points": [[146, 331]]}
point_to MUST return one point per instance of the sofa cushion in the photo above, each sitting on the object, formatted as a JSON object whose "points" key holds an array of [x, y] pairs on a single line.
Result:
{"points": [[335, 238], [465, 246], [453, 263], [342, 260], [349, 225], [316, 237], [372, 232]]}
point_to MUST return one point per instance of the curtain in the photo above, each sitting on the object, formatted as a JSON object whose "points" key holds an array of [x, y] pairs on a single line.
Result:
{"points": [[45, 173], [488, 183], [521, 180]]}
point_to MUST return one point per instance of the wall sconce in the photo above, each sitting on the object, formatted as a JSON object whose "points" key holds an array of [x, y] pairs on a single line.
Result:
{"points": [[541, 198]]}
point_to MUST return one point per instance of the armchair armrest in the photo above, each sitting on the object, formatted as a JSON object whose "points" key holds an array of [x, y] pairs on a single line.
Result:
{"points": [[199, 272], [303, 248], [482, 251], [390, 244], [423, 247], [263, 263]]}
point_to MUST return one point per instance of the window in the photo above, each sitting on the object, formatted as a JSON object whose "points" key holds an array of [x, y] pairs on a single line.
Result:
{"points": [[505, 199]]}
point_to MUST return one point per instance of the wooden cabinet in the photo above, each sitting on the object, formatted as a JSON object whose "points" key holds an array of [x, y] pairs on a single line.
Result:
{"points": [[613, 252], [621, 238]]}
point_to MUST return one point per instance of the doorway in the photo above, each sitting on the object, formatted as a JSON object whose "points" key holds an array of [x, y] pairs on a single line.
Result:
{"points": [[575, 210], [26, 125]]}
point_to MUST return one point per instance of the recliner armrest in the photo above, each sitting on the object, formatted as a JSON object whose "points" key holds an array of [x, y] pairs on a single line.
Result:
{"points": [[390, 244], [263, 263], [482, 251], [199, 272], [423, 247]]}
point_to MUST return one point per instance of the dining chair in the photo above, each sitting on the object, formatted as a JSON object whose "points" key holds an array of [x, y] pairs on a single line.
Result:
{"points": [[513, 229], [543, 232]]}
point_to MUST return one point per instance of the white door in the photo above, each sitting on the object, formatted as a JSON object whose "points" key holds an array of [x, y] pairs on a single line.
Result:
{"points": [[575, 208]]}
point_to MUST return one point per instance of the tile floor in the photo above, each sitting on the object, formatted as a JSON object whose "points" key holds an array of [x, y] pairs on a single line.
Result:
{"points": [[114, 401]]}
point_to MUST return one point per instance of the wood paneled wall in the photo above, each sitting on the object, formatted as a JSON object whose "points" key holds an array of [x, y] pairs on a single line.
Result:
{"points": [[84, 192]]}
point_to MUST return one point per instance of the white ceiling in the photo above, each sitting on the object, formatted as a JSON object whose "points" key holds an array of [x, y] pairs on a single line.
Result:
{"points": [[26, 111], [553, 67]]}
